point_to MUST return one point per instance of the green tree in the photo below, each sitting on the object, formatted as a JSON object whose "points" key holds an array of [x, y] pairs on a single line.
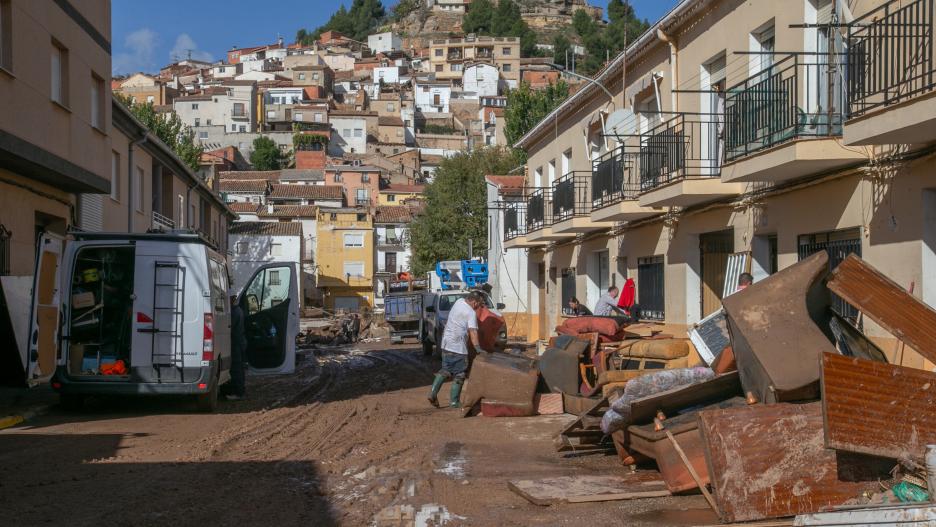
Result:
{"points": [[456, 207], [526, 107], [479, 17], [266, 154], [623, 25], [403, 9], [168, 128], [355, 23], [561, 46]]}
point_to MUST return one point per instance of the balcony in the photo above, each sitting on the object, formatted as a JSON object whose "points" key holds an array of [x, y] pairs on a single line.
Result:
{"points": [[539, 218], [515, 226], [615, 188], [240, 115], [391, 242], [162, 223], [678, 163], [572, 205], [785, 123], [890, 76]]}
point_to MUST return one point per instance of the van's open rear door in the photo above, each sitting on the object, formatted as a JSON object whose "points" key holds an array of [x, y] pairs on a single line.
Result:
{"points": [[270, 303], [44, 314]]}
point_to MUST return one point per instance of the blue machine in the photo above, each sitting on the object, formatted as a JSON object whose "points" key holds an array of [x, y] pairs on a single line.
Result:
{"points": [[461, 274]]}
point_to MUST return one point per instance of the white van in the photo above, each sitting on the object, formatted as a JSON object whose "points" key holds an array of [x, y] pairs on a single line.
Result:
{"points": [[117, 313]]}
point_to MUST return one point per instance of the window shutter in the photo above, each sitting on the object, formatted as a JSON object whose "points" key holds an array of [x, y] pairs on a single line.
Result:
{"points": [[91, 212]]}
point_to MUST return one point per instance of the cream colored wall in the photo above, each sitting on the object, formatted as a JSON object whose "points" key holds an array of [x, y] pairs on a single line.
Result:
{"points": [[18, 208], [26, 108], [115, 211]]}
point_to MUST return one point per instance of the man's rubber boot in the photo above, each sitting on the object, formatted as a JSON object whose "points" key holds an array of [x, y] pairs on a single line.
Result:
{"points": [[436, 386], [455, 393]]}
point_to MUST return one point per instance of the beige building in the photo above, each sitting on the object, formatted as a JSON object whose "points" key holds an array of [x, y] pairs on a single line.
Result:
{"points": [[55, 119], [747, 127], [447, 57], [144, 88]]}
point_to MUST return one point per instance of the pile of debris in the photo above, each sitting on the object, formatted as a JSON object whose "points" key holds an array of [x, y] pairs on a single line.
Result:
{"points": [[340, 329], [782, 409]]}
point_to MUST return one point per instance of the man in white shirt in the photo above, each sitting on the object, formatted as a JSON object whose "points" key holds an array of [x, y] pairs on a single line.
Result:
{"points": [[461, 325]]}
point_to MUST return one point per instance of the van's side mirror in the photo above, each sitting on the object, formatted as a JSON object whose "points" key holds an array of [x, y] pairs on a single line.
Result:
{"points": [[500, 306], [430, 309]]}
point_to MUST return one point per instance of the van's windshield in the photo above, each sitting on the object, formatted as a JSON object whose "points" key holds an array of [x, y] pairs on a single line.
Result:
{"points": [[448, 300]]}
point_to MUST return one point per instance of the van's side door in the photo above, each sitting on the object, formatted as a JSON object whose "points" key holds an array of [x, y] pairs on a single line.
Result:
{"points": [[270, 303], [43, 344]]}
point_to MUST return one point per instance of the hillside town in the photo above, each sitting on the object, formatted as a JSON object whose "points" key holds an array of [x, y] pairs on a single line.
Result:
{"points": [[471, 262]]}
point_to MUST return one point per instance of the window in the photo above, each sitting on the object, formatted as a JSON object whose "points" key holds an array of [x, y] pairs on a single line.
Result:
{"points": [[365, 178], [301, 76], [242, 128], [346, 132], [358, 132], [315, 76], [271, 114], [354, 269], [6, 35], [197, 121], [505, 51], [59, 74], [297, 116], [506, 67], [203, 135], [233, 127], [239, 109], [208, 122], [361, 217], [318, 117], [139, 183], [650, 287], [391, 197], [438, 69], [150, 98], [115, 176], [275, 277], [438, 52], [194, 105], [241, 247], [354, 239], [457, 67], [391, 107], [97, 102], [361, 197], [276, 249], [333, 216]]}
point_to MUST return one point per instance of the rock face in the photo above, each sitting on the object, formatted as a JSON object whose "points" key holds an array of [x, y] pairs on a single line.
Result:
{"points": [[546, 17]]}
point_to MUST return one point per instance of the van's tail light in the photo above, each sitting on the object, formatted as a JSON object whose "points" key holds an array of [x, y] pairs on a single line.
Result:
{"points": [[208, 338]]}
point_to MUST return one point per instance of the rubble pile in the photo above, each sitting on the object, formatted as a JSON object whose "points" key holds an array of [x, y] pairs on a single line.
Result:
{"points": [[788, 410], [342, 329]]}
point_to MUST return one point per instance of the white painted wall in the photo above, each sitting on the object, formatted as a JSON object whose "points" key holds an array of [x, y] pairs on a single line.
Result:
{"points": [[349, 134], [250, 251], [384, 42], [507, 267], [425, 98], [481, 79]]}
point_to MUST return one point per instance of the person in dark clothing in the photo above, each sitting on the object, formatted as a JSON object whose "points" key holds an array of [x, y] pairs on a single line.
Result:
{"points": [[355, 327], [238, 353], [578, 309]]}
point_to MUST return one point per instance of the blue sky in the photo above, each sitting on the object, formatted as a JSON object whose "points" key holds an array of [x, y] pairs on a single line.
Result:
{"points": [[147, 36]]}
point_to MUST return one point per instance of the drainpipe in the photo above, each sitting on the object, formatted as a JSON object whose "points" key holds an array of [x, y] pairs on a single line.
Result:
{"points": [[130, 178], [674, 67]]}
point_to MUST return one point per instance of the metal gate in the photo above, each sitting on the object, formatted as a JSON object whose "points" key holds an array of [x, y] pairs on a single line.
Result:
{"points": [[650, 289], [839, 244]]}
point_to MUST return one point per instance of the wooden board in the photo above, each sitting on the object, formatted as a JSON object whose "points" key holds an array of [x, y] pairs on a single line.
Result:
{"points": [[720, 388], [886, 303], [878, 409], [770, 461], [580, 489]]}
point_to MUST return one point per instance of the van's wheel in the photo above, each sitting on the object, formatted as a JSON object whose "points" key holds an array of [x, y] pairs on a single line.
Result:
{"points": [[71, 402], [208, 402]]}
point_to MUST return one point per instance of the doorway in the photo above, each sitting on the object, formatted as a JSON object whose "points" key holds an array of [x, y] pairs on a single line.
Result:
{"points": [[714, 250]]}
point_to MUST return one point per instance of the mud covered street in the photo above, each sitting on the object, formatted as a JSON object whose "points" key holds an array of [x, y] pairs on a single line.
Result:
{"points": [[348, 440]]}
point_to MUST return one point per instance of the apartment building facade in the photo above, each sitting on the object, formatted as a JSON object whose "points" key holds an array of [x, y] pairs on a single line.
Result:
{"points": [[228, 108], [771, 129], [392, 246], [344, 258], [55, 120], [448, 57]]}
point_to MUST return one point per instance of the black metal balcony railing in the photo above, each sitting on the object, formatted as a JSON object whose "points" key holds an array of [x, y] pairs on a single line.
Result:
{"points": [[686, 146], [514, 219], [570, 196], [539, 212], [890, 55], [614, 178], [792, 99]]}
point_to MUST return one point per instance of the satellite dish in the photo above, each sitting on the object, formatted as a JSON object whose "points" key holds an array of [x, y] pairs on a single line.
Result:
{"points": [[620, 122]]}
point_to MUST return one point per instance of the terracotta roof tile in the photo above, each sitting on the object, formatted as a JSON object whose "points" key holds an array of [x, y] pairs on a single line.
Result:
{"points": [[403, 188], [243, 185], [266, 228], [393, 214], [269, 175], [330, 192], [244, 208], [290, 211]]}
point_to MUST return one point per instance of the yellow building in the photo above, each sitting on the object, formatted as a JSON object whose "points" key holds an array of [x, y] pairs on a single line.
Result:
{"points": [[345, 258], [400, 194]]}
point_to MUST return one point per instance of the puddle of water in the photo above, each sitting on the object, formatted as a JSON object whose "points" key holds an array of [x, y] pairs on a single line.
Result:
{"points": [[675, 518], [453, 461]]}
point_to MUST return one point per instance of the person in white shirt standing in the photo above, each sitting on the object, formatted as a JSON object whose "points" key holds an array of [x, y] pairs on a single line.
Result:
{"points": [[461, 325]]}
